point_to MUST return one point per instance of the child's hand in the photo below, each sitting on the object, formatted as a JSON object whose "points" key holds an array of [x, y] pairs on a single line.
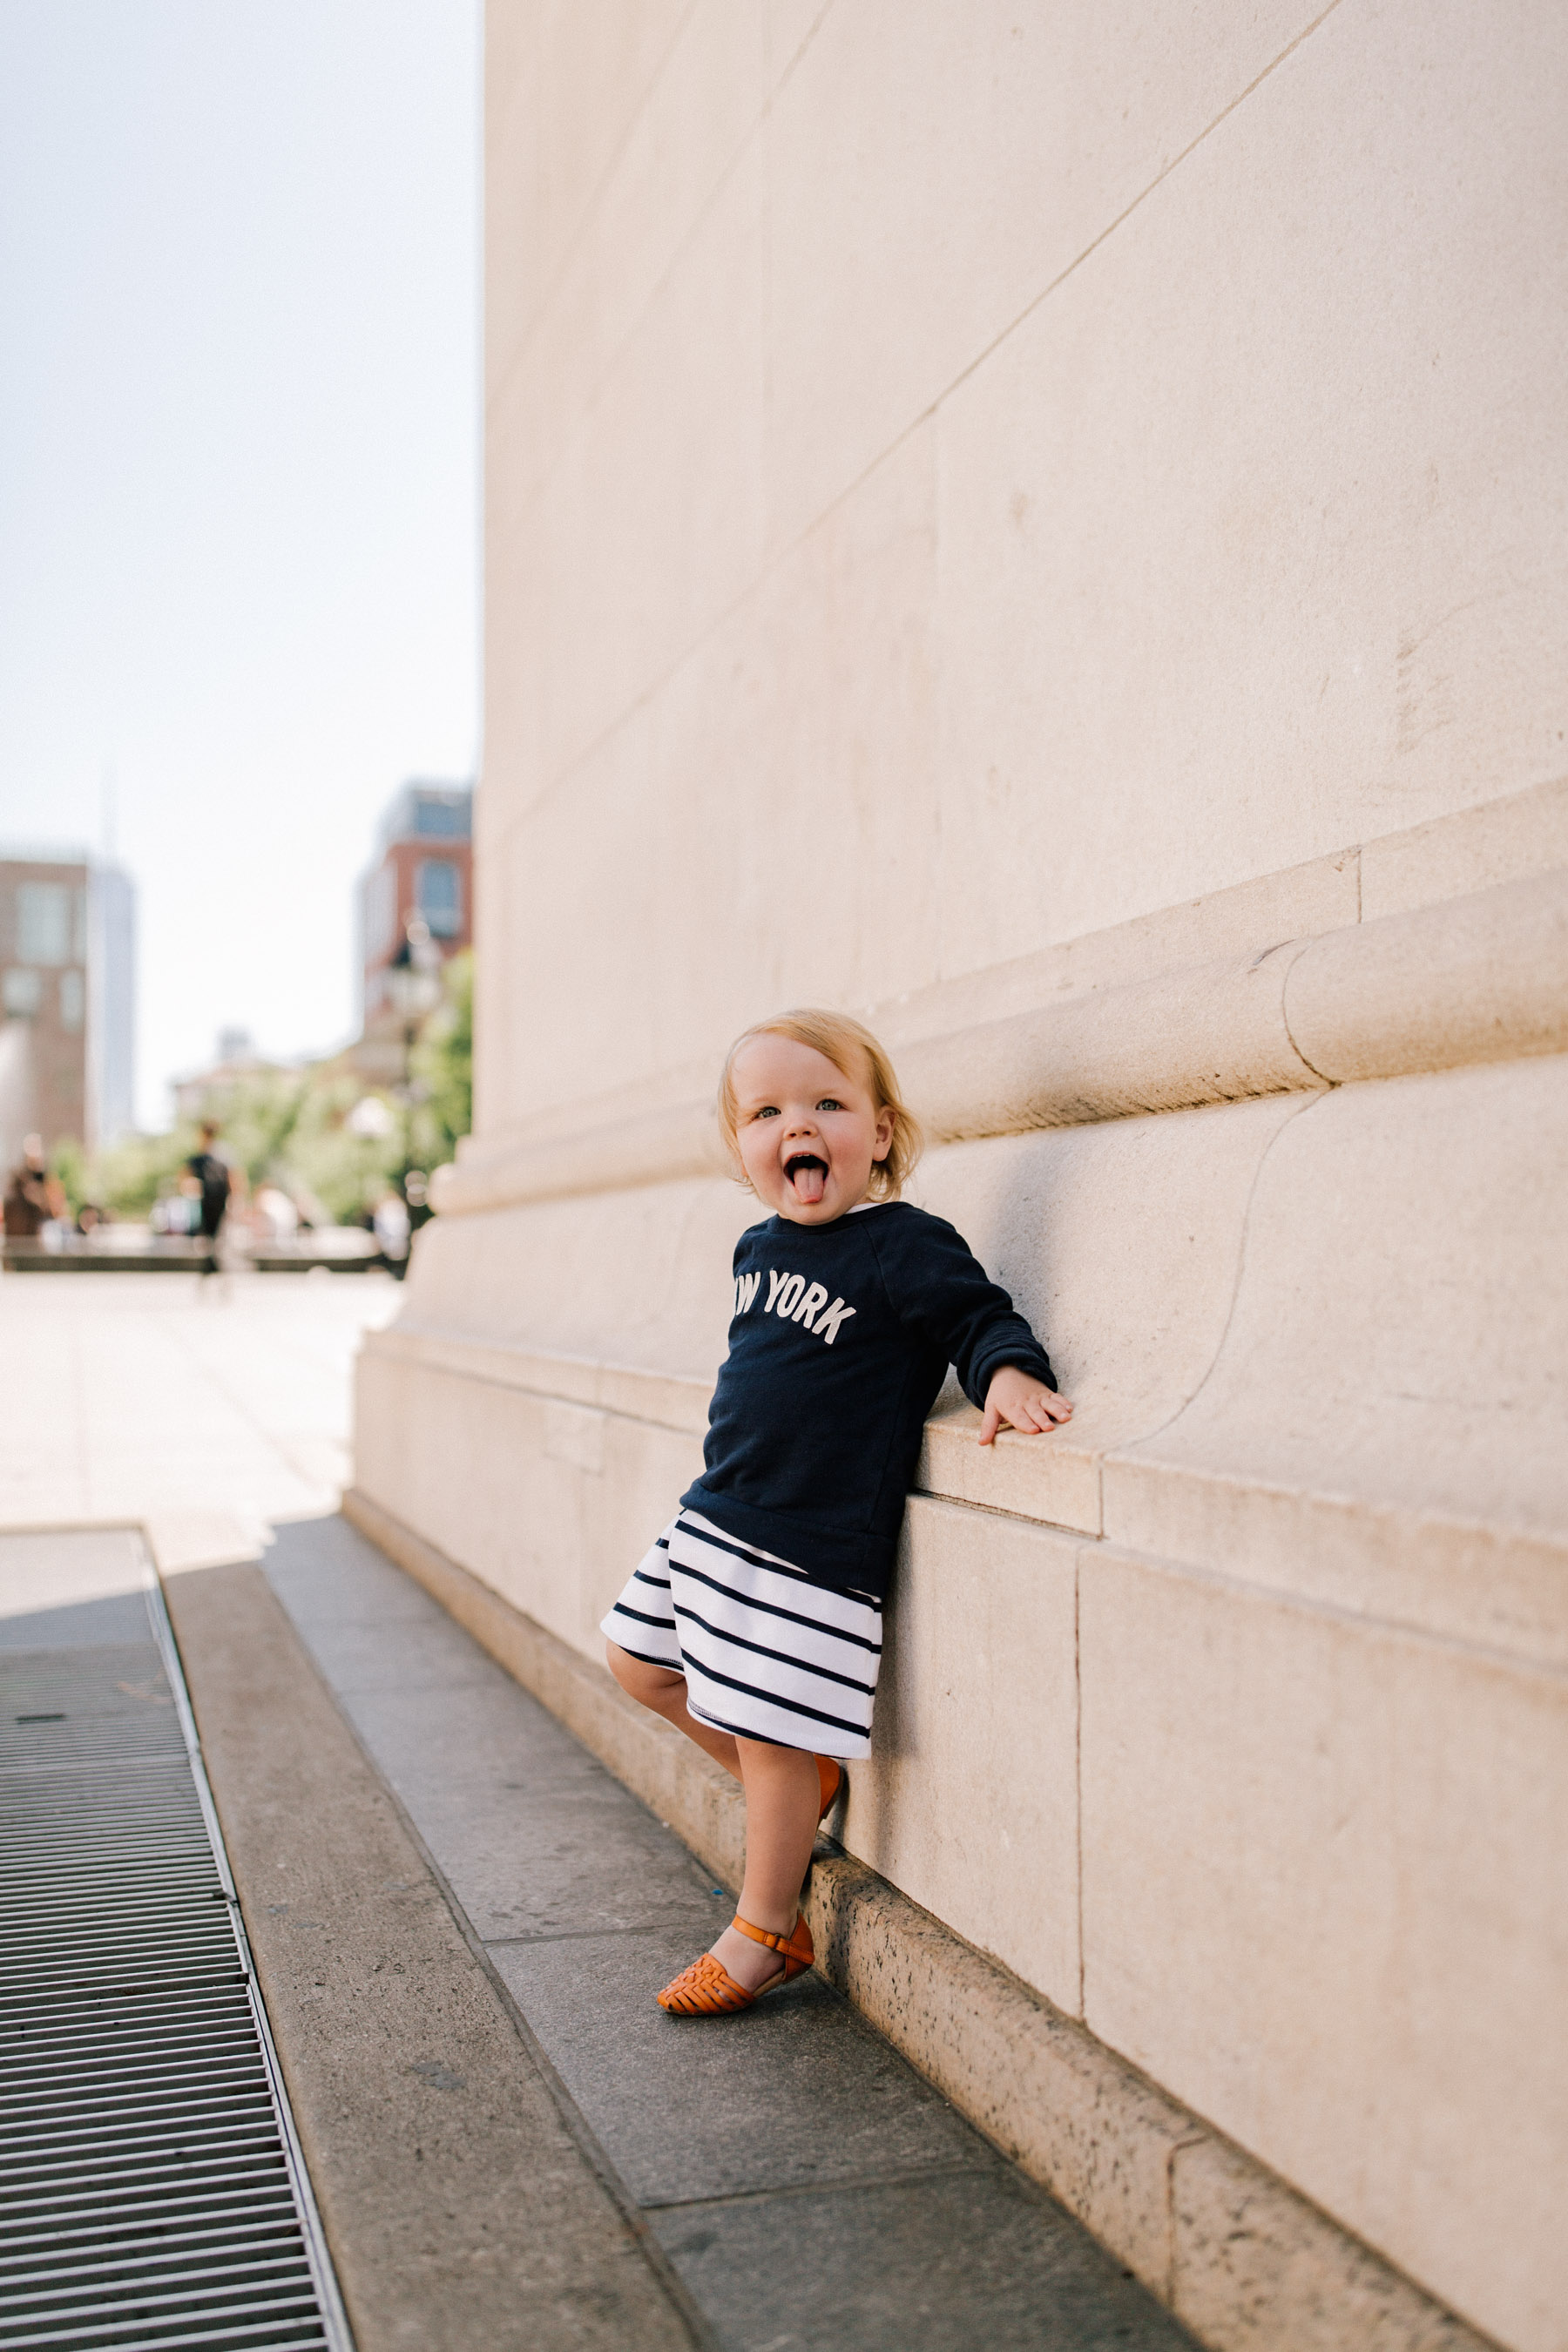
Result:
{"points": [[1020, 1400]]}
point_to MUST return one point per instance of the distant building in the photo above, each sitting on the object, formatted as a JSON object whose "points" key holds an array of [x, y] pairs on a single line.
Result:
{"points": [[112, 1002], [423, 874], [68, 939], [200, 1093]]}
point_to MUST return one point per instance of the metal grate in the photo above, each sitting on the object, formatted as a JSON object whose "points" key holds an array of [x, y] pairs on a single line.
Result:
{"points": [[152, 2191]]}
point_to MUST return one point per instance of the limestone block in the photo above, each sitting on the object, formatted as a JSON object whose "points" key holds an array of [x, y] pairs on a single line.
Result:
{"points": [[1217, 1032], [699, 109], [1255, 2269], [665, 1399], [584, 1496], [785, 767], [1478, 978], [575, 1433], [637, 1276], [1243, 564], [1501, 841], [682, 1140], [1058, 2103], [651, 523], [608, 967], [978, 1697], [1240, 922], [1325, 1903], [979, 154], [1120, 1243], [798, 745], [1383, 1426], [583, 75], [1056, 1478], [1492, 965], [789, 26]]}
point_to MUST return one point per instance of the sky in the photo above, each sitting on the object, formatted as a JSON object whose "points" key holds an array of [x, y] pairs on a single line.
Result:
{"points": [[238, 473]]}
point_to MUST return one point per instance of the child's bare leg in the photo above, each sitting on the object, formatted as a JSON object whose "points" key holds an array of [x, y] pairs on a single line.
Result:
{"points": [[783, 1794], [664, 1691]]}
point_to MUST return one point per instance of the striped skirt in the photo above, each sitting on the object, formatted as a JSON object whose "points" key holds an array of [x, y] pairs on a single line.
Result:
{"points": [[765, 1653]]}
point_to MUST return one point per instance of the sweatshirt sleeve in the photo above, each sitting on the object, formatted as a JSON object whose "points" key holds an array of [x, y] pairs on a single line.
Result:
{"points": [[941, 1291]]}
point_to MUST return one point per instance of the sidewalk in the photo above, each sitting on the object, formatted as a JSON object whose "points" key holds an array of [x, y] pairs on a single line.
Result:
{"points": [[809, 2190], [504, 2121], [215, 1407]]}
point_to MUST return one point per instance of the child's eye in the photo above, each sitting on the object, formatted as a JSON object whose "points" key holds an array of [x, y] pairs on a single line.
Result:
{"points": [[767, 1111], [830, 1102]]}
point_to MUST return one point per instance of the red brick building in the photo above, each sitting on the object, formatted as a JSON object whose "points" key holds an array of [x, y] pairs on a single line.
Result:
{"points": [[423, 874], [415, 909]]}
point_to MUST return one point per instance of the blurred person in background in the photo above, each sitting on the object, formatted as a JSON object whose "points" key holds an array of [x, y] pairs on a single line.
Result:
{"points": [[33, 1198], [277, 1212], [416, 1193], [215, 1182], [391, 1226], [171, 1212]]}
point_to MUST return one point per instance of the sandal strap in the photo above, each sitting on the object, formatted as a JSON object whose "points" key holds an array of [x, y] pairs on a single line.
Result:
{"points": [[784, 1944]]}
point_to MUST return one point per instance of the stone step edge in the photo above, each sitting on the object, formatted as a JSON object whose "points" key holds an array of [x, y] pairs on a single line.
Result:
{"points": [[1244, 2261]]}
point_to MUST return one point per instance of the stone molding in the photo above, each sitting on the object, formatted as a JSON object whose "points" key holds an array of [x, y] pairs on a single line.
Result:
{"points": [[1499, 1589], [1244, 2261], [1473, 979]]}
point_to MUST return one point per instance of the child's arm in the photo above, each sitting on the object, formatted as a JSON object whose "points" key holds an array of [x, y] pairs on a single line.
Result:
{"points": [[1024, 1402], [1000, 1363]]}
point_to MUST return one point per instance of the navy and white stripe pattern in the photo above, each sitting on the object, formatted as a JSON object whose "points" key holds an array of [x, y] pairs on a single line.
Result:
{"points": [[765, 1653]]}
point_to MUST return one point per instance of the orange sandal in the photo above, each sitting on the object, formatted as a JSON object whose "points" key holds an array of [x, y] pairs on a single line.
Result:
{"points": [[708, 1989], [834, 1780]]}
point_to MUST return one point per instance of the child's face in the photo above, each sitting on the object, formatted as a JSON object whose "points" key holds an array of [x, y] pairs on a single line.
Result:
{"points": [[810, 1133]]}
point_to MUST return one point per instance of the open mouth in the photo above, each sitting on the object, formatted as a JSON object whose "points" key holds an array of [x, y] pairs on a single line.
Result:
{"points": [[806, 1174]]}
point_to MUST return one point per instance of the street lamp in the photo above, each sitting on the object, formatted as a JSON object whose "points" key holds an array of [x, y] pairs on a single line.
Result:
{"points": [[414, 985]]}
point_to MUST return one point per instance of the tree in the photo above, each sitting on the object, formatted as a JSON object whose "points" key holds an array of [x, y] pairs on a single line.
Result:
{"points": [[443, 1067], [297, 1129]]}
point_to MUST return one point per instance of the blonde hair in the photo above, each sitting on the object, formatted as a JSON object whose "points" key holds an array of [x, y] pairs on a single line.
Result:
{"points": [[844, 1042]]}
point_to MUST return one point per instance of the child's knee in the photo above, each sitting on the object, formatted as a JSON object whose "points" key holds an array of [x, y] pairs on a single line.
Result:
{"points": [[651, 1684]]}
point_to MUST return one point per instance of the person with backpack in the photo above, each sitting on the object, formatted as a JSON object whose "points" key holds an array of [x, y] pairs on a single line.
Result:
{"points": [[217, 1182]]}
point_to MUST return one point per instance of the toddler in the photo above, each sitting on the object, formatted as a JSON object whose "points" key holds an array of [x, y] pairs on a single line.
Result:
{"points": [[754, 1624]]}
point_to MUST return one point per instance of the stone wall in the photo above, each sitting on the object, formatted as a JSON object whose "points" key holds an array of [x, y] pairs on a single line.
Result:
{"points": [[1046, 525]]}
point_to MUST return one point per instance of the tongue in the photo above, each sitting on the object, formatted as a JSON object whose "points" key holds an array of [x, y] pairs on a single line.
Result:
{"points": [[808, 1182]]}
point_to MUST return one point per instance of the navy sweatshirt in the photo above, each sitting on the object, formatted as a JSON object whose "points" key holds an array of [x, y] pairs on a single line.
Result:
{"points": [[841, 1337]]}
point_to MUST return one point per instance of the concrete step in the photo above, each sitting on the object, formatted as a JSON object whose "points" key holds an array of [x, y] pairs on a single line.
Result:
{"points": [[793, 2181]]}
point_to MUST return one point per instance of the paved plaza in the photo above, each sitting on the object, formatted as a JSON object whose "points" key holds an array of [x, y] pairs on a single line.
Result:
{"points": [[213, 1408], [460, 1916]]}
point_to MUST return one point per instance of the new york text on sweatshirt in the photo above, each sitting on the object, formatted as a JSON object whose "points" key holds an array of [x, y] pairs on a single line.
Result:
{"points": [[840, 1338]]}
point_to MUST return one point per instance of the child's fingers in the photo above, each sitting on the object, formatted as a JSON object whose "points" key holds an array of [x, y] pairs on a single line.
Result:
{"points": [[1036, 1414], [1031, 1416]]}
